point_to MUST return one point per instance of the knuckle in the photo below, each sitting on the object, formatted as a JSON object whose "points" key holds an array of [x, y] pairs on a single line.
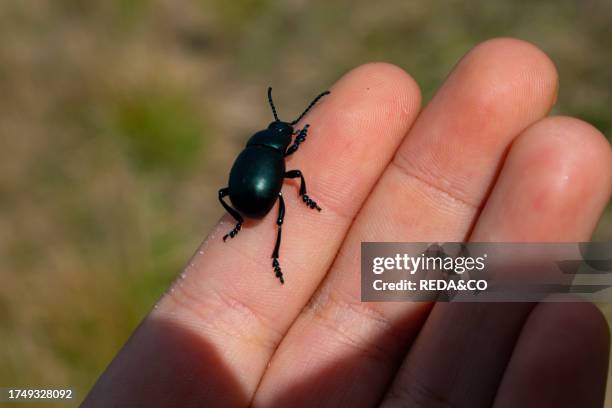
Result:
{"points": [[354, 324], [219, 312], [442, 187]]}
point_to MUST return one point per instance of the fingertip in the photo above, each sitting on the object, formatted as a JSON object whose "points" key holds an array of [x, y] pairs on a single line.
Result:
{"points": [[386, 87], [578, 155], [555, 182], [510, 74]]}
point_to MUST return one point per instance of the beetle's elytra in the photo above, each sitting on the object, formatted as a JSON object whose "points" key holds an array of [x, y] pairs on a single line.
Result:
{"points": [[257, 175]]}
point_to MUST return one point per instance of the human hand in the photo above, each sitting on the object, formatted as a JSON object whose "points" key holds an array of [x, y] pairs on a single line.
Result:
{"points": [[481, 162]]}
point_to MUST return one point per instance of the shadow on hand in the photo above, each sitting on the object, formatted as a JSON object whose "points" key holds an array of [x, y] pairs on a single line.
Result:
{"points": [[165, 364], [464, 350]]}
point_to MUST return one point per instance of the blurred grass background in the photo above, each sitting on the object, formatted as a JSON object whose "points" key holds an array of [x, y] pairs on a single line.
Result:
{"points": [[119, 121]]}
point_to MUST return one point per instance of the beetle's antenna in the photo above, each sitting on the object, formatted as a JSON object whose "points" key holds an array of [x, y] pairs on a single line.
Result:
{"points": [[310, 106], [272, 103]]}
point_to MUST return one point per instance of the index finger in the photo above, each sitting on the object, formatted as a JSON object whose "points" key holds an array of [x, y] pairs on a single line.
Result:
{"points": [[229, 300]]}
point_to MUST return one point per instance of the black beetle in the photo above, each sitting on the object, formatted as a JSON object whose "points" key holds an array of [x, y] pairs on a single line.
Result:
{"points": [[258, 173]]}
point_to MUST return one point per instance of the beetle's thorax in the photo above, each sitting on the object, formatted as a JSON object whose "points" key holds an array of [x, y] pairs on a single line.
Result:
{"points": [[277, 136]]}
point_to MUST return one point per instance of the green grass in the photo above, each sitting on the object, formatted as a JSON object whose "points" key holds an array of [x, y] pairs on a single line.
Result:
{"points": [[161, 132]]}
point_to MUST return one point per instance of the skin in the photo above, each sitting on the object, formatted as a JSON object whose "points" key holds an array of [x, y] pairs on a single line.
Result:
{"points": [[482, 161]]}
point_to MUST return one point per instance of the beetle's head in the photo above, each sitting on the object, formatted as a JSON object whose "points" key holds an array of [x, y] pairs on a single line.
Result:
{"points": [[281, 133], [281, 128]]}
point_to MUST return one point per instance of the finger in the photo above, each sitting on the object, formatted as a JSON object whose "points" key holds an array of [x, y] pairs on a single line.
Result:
{"points": [[560, 360], [432, 191], [229, 297], [545, 193]]}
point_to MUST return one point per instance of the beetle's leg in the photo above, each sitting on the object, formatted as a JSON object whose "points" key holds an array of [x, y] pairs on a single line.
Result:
{"points": [[307, 200], [279, 223], [223, 193], [300, 138]]}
